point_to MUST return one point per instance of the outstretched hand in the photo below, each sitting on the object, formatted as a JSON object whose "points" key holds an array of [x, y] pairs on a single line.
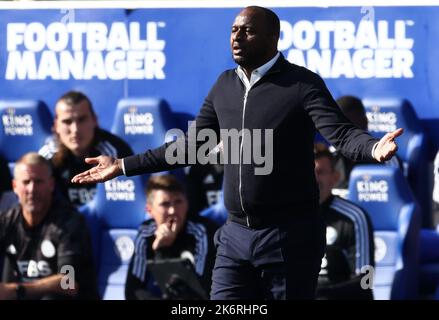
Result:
{"points": [[106, 168], [387, 146]]}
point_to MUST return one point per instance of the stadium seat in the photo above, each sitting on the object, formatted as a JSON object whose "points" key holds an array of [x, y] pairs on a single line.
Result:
{"points": [[24, 126], [143, 122], [114, 217], [385, 115], [382, 191]]}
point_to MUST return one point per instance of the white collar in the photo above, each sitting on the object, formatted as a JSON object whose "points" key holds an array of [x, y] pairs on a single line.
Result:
{"points": [[256, 74]]}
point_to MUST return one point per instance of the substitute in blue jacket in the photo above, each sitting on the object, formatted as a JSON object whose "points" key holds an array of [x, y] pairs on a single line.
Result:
{"points": [[168, 235], [273, 243]]}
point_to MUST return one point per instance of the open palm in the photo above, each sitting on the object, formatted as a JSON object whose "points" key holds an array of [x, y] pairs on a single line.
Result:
{"points": [[106, 168]]}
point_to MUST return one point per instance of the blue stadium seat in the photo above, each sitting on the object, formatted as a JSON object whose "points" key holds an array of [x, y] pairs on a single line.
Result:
{"points": [[385, 115], [117, 248], [114, 217], [385, 195], [143, 122], [24, 126]]}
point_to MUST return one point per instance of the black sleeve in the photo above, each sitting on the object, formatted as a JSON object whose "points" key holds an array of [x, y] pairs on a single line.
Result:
{"points": [[211, 228], [132, 284], [136, 289], [371, 240], [2, 239], [350, 237], [75, 249], [137, 281], [154, 160], [5, 223], [354, 143], [70, 245], [2, 227]]}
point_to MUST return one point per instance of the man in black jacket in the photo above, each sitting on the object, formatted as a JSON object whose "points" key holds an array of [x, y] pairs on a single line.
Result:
{"points": [[272, 245]]}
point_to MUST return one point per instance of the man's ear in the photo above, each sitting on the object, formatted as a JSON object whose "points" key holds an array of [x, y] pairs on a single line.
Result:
{"points": [[14, 185], [55, 126]]}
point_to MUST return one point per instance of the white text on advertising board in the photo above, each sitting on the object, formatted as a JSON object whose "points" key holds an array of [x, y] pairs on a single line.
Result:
{"points": [[85, 51], [342, 48], [373, 190], [120, 190]]}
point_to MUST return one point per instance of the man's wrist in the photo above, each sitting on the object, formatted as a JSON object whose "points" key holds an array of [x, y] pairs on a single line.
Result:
{"points": [[121, 165], [373, 150]]}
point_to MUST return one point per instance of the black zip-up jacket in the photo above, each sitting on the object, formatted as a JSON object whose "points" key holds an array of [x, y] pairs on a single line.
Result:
{"points": [[292, 101]]}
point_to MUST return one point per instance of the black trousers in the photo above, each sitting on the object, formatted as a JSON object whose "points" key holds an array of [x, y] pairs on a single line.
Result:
{"points": [[275, 262]]}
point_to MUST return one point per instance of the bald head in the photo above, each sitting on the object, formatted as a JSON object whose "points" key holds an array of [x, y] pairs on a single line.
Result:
{"points": [[271, 19], [254, 37]]}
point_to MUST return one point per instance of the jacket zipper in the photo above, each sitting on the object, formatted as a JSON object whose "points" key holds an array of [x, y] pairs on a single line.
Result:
{"points": [[240, 156]]}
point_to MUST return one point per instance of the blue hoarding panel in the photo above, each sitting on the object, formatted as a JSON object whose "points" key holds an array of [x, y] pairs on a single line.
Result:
{"points": [[177, 54]]}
